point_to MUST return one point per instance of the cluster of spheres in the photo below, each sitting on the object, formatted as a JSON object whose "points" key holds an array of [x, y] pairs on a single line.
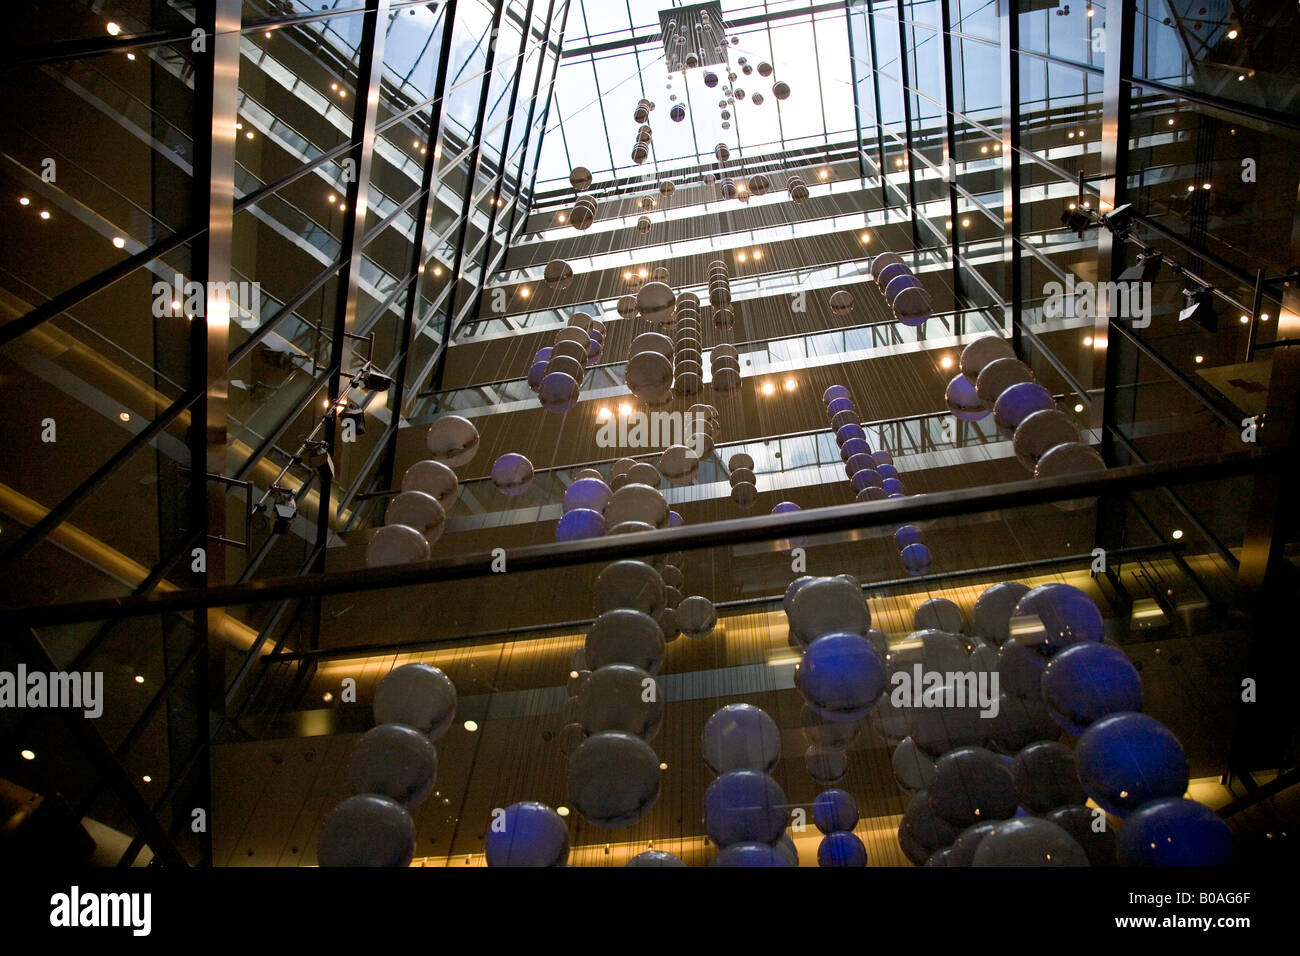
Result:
{"points": [[744, 483], [1046, 440], [745, 809], [415, 517], [631, 501], [991, 782], [641, 115], [842, 670], [688, 355], [557, 371], [393, 770], [902, 290]]}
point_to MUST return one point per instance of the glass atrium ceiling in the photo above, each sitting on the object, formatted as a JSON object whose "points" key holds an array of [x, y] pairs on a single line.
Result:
{"points": [[614, 56]]}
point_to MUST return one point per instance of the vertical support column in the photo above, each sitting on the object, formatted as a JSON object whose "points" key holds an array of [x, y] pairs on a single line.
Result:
{"points": [[550, 98], [875, 89], [949, 157], [216, 94], [857, 104], [905, 77], [1009, 20]]}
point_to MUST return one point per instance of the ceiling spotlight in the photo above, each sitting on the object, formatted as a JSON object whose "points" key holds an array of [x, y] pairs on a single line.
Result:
{"points": [[316, 454], [113, 29], [768, 388], [791, 385], [1146, 269], [27, 754], [1200, 309], [139, 678], [1232, 34], [1075, 220], [1199, 359], [284, 508], [24, 201], [1078, 407], [1087, 340], [1178, 534], [624, 408], [1117, 219], [945, 362], [865, 237], [375, 381], [471, 725], [524, 292], [562, 811], [758, 254]]}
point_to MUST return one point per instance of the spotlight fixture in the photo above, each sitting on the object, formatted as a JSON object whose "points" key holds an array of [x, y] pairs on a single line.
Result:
{"points": [[1200, 309], [1146, 269], [316, 454], [1075, 219], [1118, 219]]}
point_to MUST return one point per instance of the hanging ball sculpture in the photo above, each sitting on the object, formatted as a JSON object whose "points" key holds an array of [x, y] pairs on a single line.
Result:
{"points": [[981, 353], [835, 810], [419, 696], [579, 524], [842, 676], [417, 510], [620, 697], [740, 737], [629, 584], [829, 605], [781, 90], [1175, 832], [764, 69], [1070, 458], [558, 274], [638, 500], [750, 854], [1040, 432], [677, 113], [591, 493], [938, 614], [841, 849], [527, 834], [841, 302], [580, 178], [655, 858], [512, 474], [367, 830], [1128, 759], [696, 616], [757, 99], [394, 761], [1017, 403], [396, 544], [433, 478], [1029, 841], [1054, 616], [913, 768], [971, 785], [613, 779], [743, 806], [963, 401], [643, 225], [558, 392], [625, 636], [994, 608], [1046, 777], [1084, 683], [797, 189], [710, 79], [583, 214], [452, 440]]}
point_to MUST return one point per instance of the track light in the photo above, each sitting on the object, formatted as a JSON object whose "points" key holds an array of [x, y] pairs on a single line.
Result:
{"points": [[1118, 219], [1075, 220], [1200, 309], [317, 456], [1146, 269], [352, 412]]}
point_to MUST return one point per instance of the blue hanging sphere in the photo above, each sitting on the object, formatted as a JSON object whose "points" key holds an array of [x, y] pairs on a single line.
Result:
{"points": [[916, 558], [1054, 616], [744, 806], [855, 446], [907, 534], [856, 464], [655, 858], [865, 478], [846, 432], [1017, 403], [834, 392], [580, 523], [842, 676], [512, 474], [740, 737], [841, 848], [590, 493], [886, 470], [892, 487], [750, 854], [529, 834], [1085, 682], [835, 810], [677, 113], [1175, 832], [536, 372], [1128, 759], [837, 405]]}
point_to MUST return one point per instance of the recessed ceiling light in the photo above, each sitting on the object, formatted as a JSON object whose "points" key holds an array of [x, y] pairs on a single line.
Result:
{"points": [[1245, 320], [27, 754], [24, 201], [624, 408], [45, 214], [1178, 534], [1232, 34], [327, 697], [524, 292], [1078, 407], [1199, 359], [147, 779], [249, 134], [139, 678], [945, 362], [471, 725], [112, 28], [768, 388], [125, 416], [562, 811], [865, 237], [1087, 340], [663, 766], [119, 242], [758, 254], [130, 56], [741, 257], [791, 385]]}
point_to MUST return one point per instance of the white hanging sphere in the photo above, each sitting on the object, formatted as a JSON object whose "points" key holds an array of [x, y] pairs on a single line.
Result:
{"points": [[1069, 458], [625, 636], [615, 696], [743, 806], [679, 463], [939, 614], [644, 473], [630, 584], [394, 761], [1029, 841], [558, 274], [933, 650], [649, 375], [829, 605], [696, 616], [558, 392], [1040, 433], [613, 779], [976, 356], [367, 830], [512, 474], [419, 696], [433, 478], [740, 737], [396, 544], [637, 502], [417, 510], [994, 608], [452, 440], [580, 178], [527, 834], [913, 768]]}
